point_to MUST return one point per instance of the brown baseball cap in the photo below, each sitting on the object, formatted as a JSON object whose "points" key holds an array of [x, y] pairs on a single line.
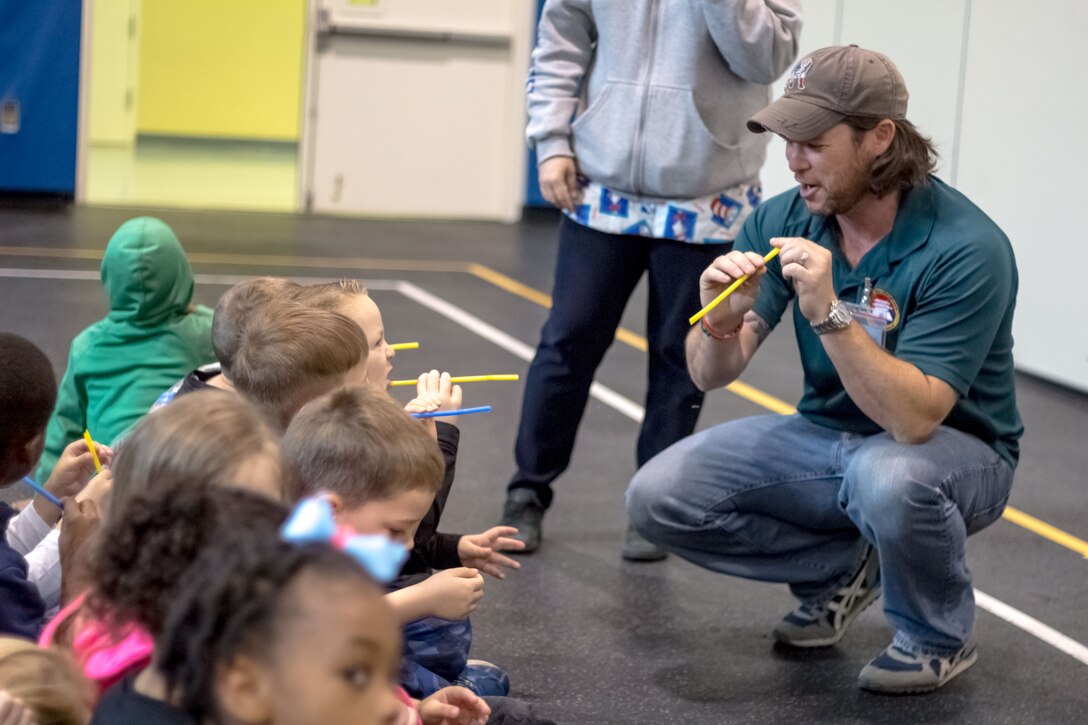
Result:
{"points": [[830, 84]]}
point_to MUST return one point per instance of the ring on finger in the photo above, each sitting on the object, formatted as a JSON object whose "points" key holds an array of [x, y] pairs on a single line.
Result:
{"points": [[803, 259]]}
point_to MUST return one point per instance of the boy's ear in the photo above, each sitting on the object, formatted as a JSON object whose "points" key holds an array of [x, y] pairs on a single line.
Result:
{"points": [[243, 691], [336, 502], [21, 459]]}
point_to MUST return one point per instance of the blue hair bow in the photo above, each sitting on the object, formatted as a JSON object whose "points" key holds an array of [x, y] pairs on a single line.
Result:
{"points": [[312, 521]]}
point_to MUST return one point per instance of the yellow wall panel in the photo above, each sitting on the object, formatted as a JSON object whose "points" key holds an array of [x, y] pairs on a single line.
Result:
{"points": [[221, 68]]}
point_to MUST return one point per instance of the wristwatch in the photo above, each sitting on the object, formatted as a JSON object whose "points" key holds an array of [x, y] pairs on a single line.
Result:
{"points": [[838, 319]]}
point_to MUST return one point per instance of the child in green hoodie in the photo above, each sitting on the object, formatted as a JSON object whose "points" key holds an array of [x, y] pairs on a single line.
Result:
{"points": [[152, 335]]}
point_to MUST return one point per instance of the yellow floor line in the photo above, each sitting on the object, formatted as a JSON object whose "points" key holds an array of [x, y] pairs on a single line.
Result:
{"points": [[1042, 528], [502, 281], [258, 260]]}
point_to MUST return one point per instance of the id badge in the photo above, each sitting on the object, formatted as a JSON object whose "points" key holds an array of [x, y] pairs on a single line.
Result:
{"points": [[874, 325]]}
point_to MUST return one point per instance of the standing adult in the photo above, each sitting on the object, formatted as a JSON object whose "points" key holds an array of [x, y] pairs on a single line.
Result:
{"points": [[907, 434], [637, 111]]}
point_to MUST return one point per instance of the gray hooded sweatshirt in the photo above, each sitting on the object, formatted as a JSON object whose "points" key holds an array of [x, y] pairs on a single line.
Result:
{"points": [[658, 90]]}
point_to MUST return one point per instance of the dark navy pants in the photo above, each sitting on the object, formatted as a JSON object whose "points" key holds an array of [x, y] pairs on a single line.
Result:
{"points": [[595, 275]]}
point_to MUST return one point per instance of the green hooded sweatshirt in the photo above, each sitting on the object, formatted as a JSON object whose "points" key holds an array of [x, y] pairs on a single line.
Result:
{"points": [[118, 366]]}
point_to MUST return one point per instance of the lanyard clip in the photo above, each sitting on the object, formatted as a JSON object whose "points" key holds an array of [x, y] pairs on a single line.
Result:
{"points": [[867, 294]]}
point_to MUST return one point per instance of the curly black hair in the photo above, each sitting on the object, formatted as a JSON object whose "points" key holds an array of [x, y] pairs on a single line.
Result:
{"points": [[231, 604], [148, 545]]}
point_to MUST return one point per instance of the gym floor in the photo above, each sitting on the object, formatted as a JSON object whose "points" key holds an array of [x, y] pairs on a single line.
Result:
{"points": [[585, 636]]}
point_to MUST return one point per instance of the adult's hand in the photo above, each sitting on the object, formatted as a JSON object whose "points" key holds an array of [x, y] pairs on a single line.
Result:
{"points": [[808, 266], [559, 181], [721, 273]]}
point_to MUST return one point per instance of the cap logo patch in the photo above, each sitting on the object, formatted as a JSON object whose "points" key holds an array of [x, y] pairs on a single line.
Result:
{"points": [[797, 77]]}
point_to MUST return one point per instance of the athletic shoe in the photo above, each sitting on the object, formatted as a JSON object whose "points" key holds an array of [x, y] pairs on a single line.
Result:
{"points": [[825, 624], [899, 672]]}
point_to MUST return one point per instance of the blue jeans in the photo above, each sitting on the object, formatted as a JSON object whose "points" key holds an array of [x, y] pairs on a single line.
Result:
{"points": [[781, 499], [595, 274], [435, 654]]}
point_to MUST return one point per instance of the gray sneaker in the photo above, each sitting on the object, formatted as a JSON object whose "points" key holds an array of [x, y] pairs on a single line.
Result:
{"points": [[825, 625], [525, 512], [899, 672]]}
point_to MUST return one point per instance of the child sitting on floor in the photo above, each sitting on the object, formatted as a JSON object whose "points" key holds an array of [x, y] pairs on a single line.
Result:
{"points": [[285, 354], [185, 454], [27, 393], [152, 335], [296, 632], [228, 320], [381, 470]]}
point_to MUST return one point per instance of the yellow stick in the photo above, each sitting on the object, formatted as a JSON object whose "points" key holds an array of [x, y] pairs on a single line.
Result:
{"points": [[94, 453], [405, 346], [728, 290], [465, 379]]}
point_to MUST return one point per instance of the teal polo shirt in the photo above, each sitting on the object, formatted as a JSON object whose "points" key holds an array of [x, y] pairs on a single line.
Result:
{"points": [[945, 273]]}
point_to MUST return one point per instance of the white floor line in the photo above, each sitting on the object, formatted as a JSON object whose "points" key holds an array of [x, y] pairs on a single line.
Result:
{"points": [[604, 394], [1032, 626], [515, 347]]}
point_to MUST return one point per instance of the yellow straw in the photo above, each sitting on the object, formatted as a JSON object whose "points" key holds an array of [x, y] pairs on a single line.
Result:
{"points": [[94, 453], [405, 346], [466, 379], [729, 290]]}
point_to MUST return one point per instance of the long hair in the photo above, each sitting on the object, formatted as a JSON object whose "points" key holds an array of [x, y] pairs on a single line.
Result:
{"points": [[907, 163]]}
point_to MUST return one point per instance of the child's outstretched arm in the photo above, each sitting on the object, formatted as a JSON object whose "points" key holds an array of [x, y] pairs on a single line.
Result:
{"points": [[482, 551]]}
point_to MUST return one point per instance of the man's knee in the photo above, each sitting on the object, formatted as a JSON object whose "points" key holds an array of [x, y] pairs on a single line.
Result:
{"points": [[650, 500], [886, 486]]}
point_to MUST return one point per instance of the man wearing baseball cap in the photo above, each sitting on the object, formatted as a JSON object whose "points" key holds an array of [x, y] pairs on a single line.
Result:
{"points": [[906, 437]]}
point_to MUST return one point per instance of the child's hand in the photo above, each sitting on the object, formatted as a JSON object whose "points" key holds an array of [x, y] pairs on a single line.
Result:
{"points": [[454, 706], [75, 467], [439, 389], [453, 593], [69, 476], [81, 522], [97, 489], [482, 550], [13, 712], [422, 405]]}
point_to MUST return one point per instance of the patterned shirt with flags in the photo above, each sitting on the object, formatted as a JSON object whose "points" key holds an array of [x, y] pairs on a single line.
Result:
{"points": [[710, 219]]}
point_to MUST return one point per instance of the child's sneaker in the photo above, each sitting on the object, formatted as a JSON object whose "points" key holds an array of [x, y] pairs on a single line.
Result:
{"points": [[484, 678], [825, 625], [897, 671]]}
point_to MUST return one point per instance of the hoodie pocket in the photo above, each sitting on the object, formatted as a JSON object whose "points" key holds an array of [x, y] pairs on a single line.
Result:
{"points": [[603, 136], [681, 158]]}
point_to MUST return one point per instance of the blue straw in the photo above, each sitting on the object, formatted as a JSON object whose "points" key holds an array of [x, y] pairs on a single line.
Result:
{"points": [[445, 413], [40, 490]]}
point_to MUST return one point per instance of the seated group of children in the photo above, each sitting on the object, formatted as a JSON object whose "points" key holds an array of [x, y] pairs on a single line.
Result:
{"points": [[164, 587]]}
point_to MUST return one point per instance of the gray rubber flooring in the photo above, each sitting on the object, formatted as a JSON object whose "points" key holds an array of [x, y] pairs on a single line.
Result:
{"points": [[589, 638]]}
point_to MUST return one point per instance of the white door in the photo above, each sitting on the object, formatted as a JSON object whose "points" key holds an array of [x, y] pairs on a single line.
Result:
{"points": [[415, 108], [115, 47]]}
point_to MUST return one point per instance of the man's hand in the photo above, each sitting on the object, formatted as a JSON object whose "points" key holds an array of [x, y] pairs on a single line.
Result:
{"points": [[808, 266], [559, 182], [454, 706], [721, 273], [453, 593], [481, 551]]}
